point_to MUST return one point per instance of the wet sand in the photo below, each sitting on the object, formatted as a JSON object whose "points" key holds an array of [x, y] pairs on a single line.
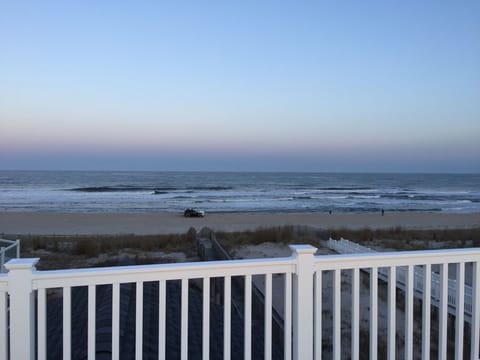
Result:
{"points": [[49, 223]]}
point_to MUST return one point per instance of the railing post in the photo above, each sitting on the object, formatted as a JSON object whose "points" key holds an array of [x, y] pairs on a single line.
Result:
{"points": [[22, 322], [475, 326], [303, 317], [2, 260]]}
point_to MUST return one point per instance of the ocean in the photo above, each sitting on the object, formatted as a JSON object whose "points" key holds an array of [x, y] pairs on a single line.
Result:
{"points": [[217, 192]]}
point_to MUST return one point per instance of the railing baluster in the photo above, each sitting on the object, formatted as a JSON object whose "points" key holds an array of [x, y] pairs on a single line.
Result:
{"points": [[41, 324], [336, 314], [115, 321], [427, 294], [475, 326], [443, 313], [67, 320], [355, 314], [409, 313], [318, 315], [288, 317], [139, 321], [391, 320], [268, 317], [248, 318], [227, 317], [162, 320], [4, 327], [459, 321], [184, 321], [373, 313], [206, 319], [91, 321]]}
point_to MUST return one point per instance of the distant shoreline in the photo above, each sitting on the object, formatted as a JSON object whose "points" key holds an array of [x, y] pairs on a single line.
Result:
{"points": [[53, 223]]}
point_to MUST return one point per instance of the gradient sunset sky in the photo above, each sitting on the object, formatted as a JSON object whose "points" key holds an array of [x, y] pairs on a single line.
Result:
{"points": [[374, 86]]}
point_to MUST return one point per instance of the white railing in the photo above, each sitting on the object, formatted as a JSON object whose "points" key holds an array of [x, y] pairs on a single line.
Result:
{"points": [[344, 246], [9, 249], [315, 293], [337, 264]]}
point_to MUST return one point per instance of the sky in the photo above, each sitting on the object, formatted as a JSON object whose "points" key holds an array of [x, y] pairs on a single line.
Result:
{"points": [[354, 86]]}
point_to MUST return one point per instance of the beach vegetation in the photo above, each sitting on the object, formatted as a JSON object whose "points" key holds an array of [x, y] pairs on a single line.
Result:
{"points": [[110, 250], [105, 250], [398, 238]]}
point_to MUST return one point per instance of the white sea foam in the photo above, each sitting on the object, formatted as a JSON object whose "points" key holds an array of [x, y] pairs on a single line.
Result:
{"points": [[233, 192]]}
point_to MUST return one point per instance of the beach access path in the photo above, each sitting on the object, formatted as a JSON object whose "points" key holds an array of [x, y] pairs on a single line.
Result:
{"points": [[53, 223]]}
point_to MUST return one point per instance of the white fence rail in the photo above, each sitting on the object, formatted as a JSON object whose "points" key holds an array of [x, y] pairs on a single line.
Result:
{"points": [[307, 331], [344, 246], [9, 249]]}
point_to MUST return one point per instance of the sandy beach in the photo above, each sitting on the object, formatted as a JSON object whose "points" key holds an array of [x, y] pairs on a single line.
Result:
{"points": [[50, 223]]}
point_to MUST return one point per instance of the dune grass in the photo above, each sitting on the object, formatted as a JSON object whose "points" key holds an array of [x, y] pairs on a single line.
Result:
{"points": [[408, 239], [388, 239], [91, 245], [69, 251], [77, 251]]}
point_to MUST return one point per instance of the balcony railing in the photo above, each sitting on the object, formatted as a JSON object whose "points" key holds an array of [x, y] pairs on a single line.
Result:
{"points": [[9, 249], [331, 308], [344, 246]]}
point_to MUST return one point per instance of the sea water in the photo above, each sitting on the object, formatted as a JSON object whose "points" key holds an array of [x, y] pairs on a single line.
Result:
{"points": [[217, 192]]}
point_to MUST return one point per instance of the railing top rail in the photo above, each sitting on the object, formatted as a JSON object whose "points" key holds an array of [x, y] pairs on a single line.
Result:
{"points": [[5, 249], [396, 258], [7, 243], [145, 273]]}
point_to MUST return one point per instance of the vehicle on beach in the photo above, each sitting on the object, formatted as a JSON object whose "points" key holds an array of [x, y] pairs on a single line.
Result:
{"points": [[193, 213]]}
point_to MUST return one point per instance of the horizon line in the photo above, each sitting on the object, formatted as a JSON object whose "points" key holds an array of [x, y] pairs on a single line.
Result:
{"points": [[249, 171]]}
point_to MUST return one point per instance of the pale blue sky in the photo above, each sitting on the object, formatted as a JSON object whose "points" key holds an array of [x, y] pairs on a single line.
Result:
{"points": [[250, 85]]}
